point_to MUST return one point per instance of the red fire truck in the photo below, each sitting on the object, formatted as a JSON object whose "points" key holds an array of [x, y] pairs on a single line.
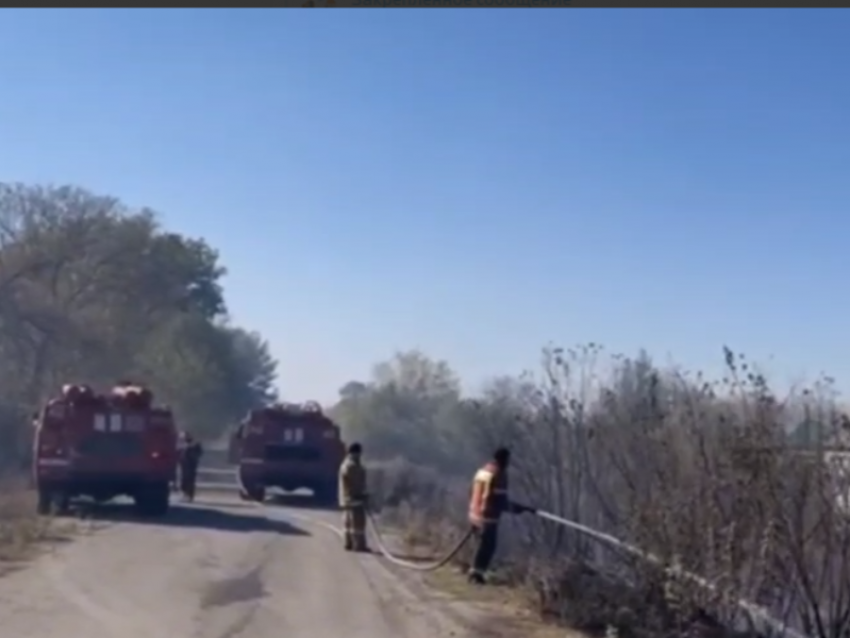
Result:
{"points": [[103, 446], [288, 446]]}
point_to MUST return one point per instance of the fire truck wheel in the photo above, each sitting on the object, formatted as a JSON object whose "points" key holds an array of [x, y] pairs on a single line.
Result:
{"points": [[153, 500], [45, 502], [327, 495], [61, 504], [256, 493]]}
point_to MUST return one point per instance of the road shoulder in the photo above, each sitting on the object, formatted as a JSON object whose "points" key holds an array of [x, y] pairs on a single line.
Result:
{"points": [[491, 611], [24, 535]]}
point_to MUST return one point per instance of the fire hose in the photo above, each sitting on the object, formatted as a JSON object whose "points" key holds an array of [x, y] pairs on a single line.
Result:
{"points": [[416, 566], [756, 613]]}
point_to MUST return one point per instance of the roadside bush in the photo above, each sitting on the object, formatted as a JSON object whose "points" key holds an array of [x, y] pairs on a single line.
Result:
{"points": [[21, 530]]}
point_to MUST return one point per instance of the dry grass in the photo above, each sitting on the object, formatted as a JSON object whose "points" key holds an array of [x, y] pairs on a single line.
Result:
{"points": [[22, 532], [506, 607]]}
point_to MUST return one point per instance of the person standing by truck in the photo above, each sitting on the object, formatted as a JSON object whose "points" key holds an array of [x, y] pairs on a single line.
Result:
{"points": [[353, 499], [190, 458]]}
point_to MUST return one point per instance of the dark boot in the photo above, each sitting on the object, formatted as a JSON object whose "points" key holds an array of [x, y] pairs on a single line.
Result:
{"points": [[360, 543], [475, 578]]}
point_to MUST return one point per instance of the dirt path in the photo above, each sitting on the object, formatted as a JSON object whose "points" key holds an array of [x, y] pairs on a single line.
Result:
{"points": [[215, 571]]}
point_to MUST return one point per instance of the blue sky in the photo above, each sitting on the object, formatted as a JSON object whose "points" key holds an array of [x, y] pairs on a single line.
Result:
{"points": [[475, 183]]}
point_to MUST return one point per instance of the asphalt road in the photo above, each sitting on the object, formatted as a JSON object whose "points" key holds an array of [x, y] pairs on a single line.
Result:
{"points": [[217, 569]]}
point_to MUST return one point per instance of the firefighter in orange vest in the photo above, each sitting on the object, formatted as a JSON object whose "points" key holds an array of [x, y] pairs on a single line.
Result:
{"points": [[488, 502], [353, 499]]}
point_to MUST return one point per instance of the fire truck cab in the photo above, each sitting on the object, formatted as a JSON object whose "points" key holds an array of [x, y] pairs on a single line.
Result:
{"points": [[103, 446], [288, 446]]}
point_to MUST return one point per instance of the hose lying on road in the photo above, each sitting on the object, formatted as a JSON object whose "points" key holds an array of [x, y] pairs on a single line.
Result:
{"points": [[757, 614], [416, 566], [382, 546]]}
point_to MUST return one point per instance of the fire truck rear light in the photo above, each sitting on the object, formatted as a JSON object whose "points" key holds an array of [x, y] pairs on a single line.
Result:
{"points": [[154, 455], [50, 450]]}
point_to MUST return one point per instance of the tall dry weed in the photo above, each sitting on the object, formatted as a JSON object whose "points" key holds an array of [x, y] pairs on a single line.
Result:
{"points": [[21, 530], [704, 476]]}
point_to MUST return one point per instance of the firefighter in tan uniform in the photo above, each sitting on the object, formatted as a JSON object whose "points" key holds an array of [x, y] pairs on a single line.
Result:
{"points": [[353, 499], [489, 500]]}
